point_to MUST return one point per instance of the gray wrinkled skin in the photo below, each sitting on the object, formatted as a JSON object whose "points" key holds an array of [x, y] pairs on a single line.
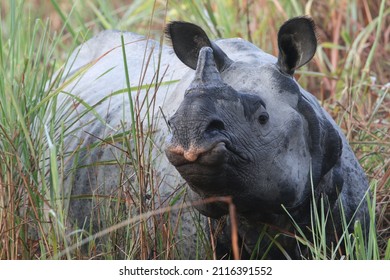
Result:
{"points": [[246, 129], [106, 169], [286, 154]]}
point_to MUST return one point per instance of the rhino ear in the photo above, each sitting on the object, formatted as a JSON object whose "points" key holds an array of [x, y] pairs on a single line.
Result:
{"points": [[188, 39], [297, 42]]}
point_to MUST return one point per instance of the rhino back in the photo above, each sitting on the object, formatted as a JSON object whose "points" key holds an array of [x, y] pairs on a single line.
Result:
{"points": [[95, 109]]}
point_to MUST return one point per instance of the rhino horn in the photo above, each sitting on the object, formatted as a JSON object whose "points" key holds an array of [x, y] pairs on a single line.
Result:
{"points": [[207, 74]]}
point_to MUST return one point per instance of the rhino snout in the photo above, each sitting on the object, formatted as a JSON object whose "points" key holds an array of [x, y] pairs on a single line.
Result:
{"points": [[214, 154], [196, 140]]}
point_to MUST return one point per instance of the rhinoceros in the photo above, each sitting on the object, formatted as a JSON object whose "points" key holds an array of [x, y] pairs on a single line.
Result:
{"points": [[210, 119]]}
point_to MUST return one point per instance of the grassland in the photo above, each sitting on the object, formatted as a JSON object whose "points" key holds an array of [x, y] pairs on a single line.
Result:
{"points": [[350, 75]]}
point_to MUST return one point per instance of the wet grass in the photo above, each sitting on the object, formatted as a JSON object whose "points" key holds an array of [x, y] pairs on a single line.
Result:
{"points": [[350, 75]]}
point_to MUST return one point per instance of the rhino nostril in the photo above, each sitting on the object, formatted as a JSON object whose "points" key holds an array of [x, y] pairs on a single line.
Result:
{"points": [[215, 125]]}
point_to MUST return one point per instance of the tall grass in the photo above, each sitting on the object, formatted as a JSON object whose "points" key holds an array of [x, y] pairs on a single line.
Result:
{"points": [[350, 75]]}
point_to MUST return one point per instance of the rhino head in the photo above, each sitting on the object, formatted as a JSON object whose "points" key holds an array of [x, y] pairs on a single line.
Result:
{"points": [[245, 129]]}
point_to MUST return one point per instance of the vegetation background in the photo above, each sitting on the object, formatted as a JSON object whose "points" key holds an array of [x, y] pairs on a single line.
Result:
{"points": [[350, 75]]}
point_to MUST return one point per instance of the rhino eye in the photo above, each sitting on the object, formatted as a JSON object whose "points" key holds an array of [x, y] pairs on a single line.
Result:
{"points": [[263, 118]]}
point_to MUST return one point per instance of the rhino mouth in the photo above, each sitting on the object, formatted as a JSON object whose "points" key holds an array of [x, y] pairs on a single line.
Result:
{"points": [[214, 154], [209, 170], [205, 168]]}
